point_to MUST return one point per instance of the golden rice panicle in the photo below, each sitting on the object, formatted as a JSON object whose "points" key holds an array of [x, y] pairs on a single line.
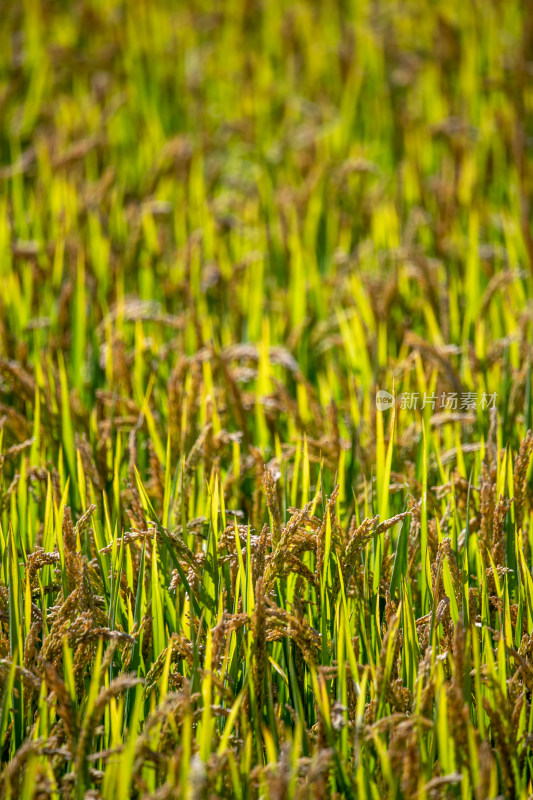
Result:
{"points": [[30, 644], [519, 476], [390, 610], [73, 559], [458, 712], [487, 766], [356, 542], [259, 644], [52, 647], [38, 559], [83, 522], [275, 562], [259, 555], [65, 707], [219, 640], [498, 531], [11, 777]]}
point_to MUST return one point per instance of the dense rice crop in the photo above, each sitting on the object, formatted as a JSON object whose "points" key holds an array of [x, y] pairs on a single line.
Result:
{"points": [[224, 227]]}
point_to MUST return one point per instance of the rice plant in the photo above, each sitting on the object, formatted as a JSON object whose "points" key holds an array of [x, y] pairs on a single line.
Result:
{"points": [[266, 326]]}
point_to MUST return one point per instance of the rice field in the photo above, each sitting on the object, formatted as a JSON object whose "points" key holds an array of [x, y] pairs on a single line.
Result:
{"points": [[266, 339]]}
